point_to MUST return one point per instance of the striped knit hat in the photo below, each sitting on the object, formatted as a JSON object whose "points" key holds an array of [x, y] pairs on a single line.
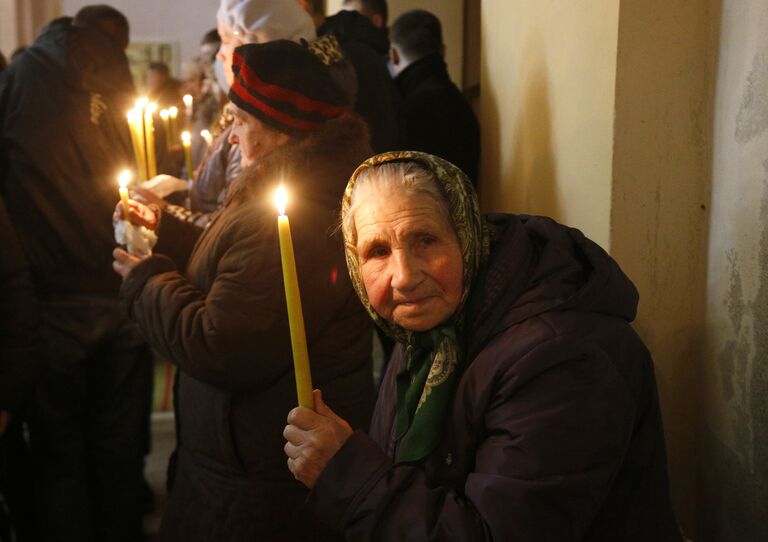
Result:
{"points": [[285, 86]]}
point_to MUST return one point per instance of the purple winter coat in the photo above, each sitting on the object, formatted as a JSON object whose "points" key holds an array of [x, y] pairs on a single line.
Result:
{"points": [[554, 432]]}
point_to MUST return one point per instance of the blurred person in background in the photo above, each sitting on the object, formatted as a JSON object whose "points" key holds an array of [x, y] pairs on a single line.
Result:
{"points": [[219, 314], [436, 118], [376, 11], [63, 141], [366, 45], [238, 22]]}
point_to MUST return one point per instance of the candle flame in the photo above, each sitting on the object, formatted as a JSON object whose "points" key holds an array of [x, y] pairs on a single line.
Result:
{"points": [[164, 114], [151, 108], [207, 136], [186, 137], [124, 178], [141, 103], [187, 98], [131, 115], [281, 198], [173, 111]]}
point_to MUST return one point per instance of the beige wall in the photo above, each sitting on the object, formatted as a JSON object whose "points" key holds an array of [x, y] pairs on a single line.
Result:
{"points": [[451, 15], [660, 200], [180, 23], [734, 436], [548, 75], [21, 21]]}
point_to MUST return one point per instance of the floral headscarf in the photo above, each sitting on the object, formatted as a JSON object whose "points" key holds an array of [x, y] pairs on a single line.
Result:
{"points": [[433, 359]]}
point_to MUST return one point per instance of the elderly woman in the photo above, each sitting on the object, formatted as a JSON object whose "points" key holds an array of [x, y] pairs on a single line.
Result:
{"points": [[519, 404], [219, 313]]}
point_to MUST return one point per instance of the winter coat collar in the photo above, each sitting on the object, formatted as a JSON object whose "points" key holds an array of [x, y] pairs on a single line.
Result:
{"points": [[432, 67], [316, 167]]}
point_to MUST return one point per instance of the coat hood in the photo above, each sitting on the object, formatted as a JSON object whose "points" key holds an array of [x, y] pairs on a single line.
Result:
{"points": [[86, 59], [562, 270], [351, 26]]}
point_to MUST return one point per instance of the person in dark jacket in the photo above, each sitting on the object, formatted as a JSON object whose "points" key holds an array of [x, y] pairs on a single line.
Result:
{"points": [[377, 100], [64, 140], [436, 118], [519, 405], [19, 369], [221, 315]]}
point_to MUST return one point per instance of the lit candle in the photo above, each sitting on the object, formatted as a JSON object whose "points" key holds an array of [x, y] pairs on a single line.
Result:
{"points": [[137, 139], [186, 140], [149, 134], [123, 179], [173, 112], [205, 134], [164, 115], [187, 99], [293, 302]]}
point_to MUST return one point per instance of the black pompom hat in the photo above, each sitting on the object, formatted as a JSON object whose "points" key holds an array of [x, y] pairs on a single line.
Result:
{"points": [[285, 86]]}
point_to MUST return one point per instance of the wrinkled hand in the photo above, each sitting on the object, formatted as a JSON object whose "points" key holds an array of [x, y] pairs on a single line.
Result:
{"points": [[162, 186], [313, 438], [138, 214], [147, 196], [124, 262]]}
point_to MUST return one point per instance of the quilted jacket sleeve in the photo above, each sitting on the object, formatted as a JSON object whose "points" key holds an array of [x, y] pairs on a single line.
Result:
{"points": [[229, 336], [550, 445]]}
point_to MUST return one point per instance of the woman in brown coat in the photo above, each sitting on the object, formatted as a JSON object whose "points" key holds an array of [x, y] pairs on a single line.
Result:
{"points": [[222, 317]]}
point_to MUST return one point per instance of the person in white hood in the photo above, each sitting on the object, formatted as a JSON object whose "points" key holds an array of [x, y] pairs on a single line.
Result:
{"points": [[238, 22]]}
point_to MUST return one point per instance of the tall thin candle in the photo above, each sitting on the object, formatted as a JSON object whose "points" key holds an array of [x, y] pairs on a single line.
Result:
{"points": [[173, 112], [149, 134], [186, 141], [164, 116], [123, 179], [188, 100], [293, 303], [137, 139]]}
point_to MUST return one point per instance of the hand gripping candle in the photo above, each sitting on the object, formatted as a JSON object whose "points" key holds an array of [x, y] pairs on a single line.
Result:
{"points": [[293, 302]]}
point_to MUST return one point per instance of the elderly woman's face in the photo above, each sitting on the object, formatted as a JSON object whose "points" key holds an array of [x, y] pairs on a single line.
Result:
{"points": [[410, 259]]}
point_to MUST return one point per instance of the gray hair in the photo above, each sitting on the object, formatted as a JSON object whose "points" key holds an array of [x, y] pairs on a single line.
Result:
{"points": [[410, 177]]}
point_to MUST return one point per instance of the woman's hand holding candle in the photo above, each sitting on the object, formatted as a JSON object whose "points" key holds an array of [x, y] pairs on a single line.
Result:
{"points": [[124, 262], [313, 438], [138, 214]]}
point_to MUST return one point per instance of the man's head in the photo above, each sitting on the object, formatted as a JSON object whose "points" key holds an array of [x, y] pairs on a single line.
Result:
{"points": [[281, 91], [107, 20], [209, 46], [414, 35], [259, 21], [158, 75], [375, 10], [315, 9]]}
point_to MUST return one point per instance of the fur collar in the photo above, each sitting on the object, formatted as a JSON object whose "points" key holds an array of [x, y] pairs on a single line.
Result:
{"points": [[320, 163]]}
